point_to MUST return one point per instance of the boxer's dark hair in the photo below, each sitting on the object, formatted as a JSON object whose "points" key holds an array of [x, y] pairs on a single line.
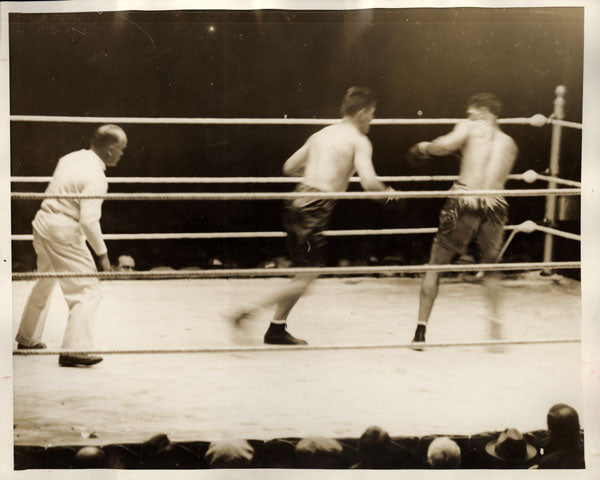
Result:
{"points": [[486, 100], [356, 99]]}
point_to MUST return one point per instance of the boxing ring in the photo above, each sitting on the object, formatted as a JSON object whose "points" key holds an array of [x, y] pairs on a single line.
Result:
{"points": [[175, 365]]}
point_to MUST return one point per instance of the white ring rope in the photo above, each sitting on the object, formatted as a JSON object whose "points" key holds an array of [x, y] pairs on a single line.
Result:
{"points": [[564, 123], [288, 195], [194, 180], [537, 120], [558, 233], [209, 235], [279, 348], [506, 243], [523, 227], [230, 121], [219, 180], [561, 181], [262, 272]]}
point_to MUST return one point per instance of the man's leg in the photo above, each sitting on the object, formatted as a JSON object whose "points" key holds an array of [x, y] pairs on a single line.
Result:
{"points": [[429, 289], [290, 294], [456, 230], [286, 299], [82, 296], [304, 222], [489, 240], [491, 282], [35, 313]]}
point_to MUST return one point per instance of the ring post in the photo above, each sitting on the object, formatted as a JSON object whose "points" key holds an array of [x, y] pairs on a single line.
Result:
{"points": [[550, 216]]}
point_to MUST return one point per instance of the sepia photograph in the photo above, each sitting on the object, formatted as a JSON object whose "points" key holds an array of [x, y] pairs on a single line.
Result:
{"points": [[315, 237]]}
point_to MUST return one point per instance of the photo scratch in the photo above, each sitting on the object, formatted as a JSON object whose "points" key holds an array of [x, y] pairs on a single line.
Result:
{"points": [[137, 25]]}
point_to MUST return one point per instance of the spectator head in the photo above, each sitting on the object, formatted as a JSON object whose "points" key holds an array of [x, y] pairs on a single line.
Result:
{"points": [[512, 448], [90, 457], [126, 263], [373, 448], [159, 443], [563, 425], [275, 453], [443, 452], [318, 452], [229, 454]]}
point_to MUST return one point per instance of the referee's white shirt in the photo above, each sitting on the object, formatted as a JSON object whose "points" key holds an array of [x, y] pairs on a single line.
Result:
{"points": [[69, 221]]}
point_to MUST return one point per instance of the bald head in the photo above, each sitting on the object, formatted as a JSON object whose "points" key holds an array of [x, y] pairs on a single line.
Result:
{"points": [[109, 142]]}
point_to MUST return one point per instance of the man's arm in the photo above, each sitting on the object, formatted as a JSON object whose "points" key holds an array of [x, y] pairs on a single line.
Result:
{"points": [[294, 166], [446, 144], [363, 164], [104, 262], [93, 234], [89, 221]]}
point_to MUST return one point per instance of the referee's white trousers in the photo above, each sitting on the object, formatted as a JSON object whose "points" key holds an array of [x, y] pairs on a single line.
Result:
{"points": [[81, 294]]}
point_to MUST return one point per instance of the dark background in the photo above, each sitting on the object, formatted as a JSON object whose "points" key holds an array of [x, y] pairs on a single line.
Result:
{"points": [[271, 64]]}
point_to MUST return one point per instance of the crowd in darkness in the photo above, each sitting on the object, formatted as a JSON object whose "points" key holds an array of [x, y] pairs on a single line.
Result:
{"points": [[560, 446]]}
